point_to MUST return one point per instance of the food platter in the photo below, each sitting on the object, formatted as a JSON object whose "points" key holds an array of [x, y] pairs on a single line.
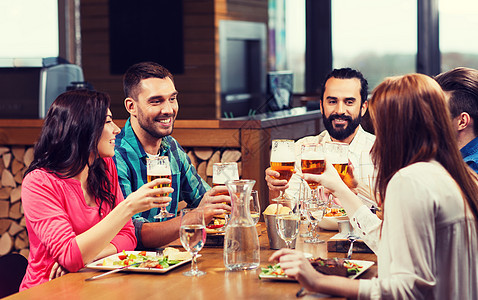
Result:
{"points": [[364, 265], [112, 262]]}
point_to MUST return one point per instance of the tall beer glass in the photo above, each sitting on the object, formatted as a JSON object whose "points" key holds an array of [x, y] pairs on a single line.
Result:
{"points": [[222, 172], [312, 161], [337, 154], [158, 167], [283, 160]]}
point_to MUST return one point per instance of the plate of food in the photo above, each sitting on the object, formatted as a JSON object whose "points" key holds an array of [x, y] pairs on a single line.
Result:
{"points": [[333, 266], [147, 262], [216, 226], [331, 218]]}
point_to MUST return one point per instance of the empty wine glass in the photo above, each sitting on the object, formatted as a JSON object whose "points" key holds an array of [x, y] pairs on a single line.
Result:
{"points": [[315, 213], [287, 220], [193, 236], [304, 197], [158, 167], [255, 207]]}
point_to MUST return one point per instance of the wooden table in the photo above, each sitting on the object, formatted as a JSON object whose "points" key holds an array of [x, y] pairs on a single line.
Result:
{"points": [[216, 284]]}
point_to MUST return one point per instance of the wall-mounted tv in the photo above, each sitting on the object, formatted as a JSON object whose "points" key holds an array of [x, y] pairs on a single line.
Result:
{"points": [[243, 65]]}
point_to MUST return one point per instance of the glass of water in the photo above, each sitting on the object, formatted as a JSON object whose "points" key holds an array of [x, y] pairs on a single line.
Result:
{"points": [[287, 220], [193, 236]]}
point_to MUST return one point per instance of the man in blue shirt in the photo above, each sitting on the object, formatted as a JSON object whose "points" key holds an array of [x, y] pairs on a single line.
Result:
{"points": [[461, 88], [151, 100]]}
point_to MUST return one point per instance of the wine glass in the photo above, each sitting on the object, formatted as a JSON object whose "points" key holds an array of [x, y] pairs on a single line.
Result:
{"points": [[158, 167], [315, 213], [304, 197], [193, 236], [283, 160], [287, 220], [255, 207]]}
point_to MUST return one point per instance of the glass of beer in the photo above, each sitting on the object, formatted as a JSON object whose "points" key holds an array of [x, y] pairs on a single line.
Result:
{"points": [[158, 167], [312, 161], [222, 172], [338, 155], [283, 160]]}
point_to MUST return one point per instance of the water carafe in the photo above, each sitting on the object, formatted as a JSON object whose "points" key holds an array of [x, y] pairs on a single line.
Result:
{"points": [[241, 242]]}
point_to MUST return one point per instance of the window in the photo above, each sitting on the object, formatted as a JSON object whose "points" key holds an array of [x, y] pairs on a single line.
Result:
{"points": [[29, 29], [458, 41], [377, 37], [295, 42]]}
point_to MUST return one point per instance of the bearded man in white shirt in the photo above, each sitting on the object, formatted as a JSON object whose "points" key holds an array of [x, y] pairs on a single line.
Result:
{"points": [[343, 104]]}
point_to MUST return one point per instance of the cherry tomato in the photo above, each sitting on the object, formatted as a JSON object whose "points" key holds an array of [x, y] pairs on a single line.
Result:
{"points": [[122, 256]]}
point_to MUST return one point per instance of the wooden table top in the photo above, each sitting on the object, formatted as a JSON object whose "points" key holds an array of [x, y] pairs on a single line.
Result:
{"points": [[216, 284]]}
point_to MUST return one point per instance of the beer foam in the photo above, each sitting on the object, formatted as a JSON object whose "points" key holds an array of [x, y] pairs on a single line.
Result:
{"points": [[224, 172], [282, 155], [158, 167], [312, 156], [337, 158]]}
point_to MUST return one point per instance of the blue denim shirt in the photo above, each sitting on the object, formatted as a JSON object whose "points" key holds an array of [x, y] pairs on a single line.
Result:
{"points": [[470, 154]]}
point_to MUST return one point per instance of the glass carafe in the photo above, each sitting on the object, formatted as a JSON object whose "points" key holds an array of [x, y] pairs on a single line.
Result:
{"points": [[241, 242]]}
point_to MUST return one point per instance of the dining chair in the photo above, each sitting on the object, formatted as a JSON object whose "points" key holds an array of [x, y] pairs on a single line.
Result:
{"points": [[12, 269]]}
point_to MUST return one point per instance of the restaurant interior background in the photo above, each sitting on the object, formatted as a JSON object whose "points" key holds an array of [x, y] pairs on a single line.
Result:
{"points": [[225, 56]]}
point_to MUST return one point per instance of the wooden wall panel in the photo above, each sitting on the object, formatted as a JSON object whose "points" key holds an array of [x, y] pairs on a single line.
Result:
{"points": [[199, 84]]}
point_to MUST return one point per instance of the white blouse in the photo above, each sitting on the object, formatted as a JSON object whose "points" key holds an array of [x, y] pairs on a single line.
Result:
{"points": [[427, 249]]}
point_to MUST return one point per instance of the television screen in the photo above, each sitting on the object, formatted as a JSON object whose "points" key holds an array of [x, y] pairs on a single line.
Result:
{"points": [[280, 86], [243, 62]]}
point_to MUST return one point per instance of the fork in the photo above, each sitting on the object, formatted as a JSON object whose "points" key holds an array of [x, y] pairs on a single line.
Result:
{"points": [[352, 238]]}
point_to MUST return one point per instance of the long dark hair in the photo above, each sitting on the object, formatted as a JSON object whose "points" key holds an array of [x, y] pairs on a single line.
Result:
{"points": [[70, 135], [412, 124]]}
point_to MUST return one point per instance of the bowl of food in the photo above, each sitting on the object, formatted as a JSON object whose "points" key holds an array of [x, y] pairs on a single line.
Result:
{"points": [[331, 218]]}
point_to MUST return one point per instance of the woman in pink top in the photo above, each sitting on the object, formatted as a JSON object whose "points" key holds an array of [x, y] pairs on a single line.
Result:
{"points": [[74, 209]]}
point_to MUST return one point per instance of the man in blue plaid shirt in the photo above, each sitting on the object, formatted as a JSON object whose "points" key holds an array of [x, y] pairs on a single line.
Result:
{"points": [[151, 100]]}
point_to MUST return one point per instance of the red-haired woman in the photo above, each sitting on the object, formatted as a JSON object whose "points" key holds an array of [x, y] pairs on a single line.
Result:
{"points": [[427, 243]]}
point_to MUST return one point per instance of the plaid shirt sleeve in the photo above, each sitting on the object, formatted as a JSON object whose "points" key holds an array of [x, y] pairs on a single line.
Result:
{"points": [[191, 186]]}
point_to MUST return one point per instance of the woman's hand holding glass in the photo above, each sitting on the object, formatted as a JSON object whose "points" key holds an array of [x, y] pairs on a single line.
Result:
{"points": [[331, 180], [149, 196]]}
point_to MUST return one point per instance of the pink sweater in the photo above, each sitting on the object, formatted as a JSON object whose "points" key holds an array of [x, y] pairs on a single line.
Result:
{"points": [[56, 212]]}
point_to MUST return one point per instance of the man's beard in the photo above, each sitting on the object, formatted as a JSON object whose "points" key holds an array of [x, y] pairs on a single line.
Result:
{"points": [[343, 132]]}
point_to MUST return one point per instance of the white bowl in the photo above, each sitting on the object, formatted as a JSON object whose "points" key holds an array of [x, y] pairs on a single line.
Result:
{"points": [[331, 223]]}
